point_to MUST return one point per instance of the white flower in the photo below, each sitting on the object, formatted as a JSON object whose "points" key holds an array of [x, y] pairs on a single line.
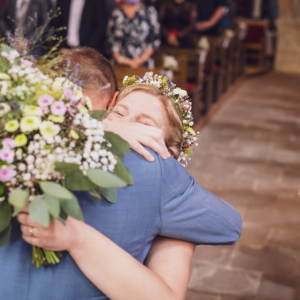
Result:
{"points": [[29, 159], [32, 110], [48, 129], [180, 92], [22, 167], [27, 177], [30, 123]]}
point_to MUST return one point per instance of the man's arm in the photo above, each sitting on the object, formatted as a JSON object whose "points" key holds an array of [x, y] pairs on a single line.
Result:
{"points": [[189, 212], [215, 18]]}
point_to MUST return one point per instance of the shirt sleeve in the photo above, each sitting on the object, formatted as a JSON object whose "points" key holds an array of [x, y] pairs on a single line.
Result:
{"points": [[190, 213], [153, 39]]}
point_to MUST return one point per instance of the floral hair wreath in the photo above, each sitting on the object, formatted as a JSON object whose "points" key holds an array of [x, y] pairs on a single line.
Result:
{"points": [[183, 104]]}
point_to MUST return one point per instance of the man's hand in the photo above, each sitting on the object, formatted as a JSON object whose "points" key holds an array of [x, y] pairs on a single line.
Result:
{"points": [[139, 136], [57, 237], [202, 26], [135, 63]]}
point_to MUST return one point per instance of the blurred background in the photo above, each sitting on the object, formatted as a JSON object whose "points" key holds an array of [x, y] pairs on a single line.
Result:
{"points": [[239, 60]]}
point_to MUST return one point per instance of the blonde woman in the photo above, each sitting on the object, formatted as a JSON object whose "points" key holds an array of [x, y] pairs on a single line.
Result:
{"points": [[111, 247]]}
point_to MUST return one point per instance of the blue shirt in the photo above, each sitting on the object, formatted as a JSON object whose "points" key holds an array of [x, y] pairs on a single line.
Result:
{"points": [[164, 200]]}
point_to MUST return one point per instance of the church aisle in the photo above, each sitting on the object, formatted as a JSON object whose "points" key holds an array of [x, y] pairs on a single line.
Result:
{"points": [[249, 155]]}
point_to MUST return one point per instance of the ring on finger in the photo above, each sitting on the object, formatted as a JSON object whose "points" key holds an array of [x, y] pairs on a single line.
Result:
{"points": [[31, 231]]}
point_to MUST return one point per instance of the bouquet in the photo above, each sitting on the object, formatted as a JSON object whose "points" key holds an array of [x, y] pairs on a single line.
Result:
{"points": [[51, 143]]}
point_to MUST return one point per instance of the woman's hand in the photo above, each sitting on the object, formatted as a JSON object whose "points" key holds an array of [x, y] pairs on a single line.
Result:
{"points": [[172, 40], [57, 237], [140, 136], [202, 26]]}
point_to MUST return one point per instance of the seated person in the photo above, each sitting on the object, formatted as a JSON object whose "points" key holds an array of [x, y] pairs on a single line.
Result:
{"points": [[133, 33], [177, 18], [209, 15]]}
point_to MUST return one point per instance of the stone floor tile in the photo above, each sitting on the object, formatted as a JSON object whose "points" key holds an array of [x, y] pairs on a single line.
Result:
{"points": [[225, 281], [272, 291], [191, 295], [269, 260], [213, 255]]}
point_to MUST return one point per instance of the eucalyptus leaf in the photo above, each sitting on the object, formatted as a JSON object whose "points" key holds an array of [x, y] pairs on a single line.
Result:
{"points": [[4, 64], [18, 198], [117, 153], [76, 181], [117, 142], [55, 190], [72, 208], [123, 172], [6, 48], [65, 167], [99, 114], [53, 205], [63, 216], [110, 194], [4, 236], [95, 193], [38, 211], [5, 215], [104, 179], [2, 188]]}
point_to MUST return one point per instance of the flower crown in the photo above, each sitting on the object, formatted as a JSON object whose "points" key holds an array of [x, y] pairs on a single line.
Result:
{"points": [[183, 104]]}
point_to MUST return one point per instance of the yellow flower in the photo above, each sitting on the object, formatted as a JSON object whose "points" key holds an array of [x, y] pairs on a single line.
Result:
{"points": [[74, 134], [12, 125], [49, 129], [32, 110], [20, 140], [82, 109], [30, 123], [56, 119]]}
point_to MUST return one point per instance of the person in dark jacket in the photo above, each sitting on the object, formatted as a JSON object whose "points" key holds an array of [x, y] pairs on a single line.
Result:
{"points": [[86, 22], [19, 14]]}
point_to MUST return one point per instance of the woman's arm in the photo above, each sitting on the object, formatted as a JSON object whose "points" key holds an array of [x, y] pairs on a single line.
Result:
{"points": [[115, 272]]}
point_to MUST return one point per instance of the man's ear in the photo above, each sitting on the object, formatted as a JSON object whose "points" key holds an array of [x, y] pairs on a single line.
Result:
{"points": [[112, 102]]}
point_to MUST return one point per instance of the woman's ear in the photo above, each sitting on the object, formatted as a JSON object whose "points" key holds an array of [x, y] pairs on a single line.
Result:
{"points": [[112, 101]]}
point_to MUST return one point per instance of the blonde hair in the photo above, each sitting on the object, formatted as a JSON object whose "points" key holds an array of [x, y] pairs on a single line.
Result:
{"points": [[174, 136]]}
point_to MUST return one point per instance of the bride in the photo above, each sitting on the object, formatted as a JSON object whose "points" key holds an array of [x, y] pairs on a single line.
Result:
{"points": [[110, 268]]}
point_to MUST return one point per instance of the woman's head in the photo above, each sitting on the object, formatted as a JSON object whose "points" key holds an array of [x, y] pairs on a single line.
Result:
{"points": [[146, 104]]}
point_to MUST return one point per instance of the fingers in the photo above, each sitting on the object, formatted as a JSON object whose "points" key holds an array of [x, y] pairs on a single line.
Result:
{"points": [[142, 151], [25, 219], [157, 146], [32, 241], [27, 230]]}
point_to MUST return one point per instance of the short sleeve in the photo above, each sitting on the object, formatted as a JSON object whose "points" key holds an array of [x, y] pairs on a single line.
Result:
{"points": [[190, 213]]}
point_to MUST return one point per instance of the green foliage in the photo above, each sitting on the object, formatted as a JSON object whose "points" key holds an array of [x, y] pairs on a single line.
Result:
{"points": [[5, 215], [76, 181], [2, 188], [99, 114], [117, 142], [55, 190], [4, 64], [110, 194], [95, 193], [4, 236], [123, 172], [6, 48], [72, 208], [38, 211], [53, 205], [65, 167], [18, 199], [62, 216], [104, 179]]}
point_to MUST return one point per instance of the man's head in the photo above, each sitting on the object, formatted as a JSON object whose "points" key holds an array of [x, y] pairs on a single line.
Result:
{"points": [[96, 72]]}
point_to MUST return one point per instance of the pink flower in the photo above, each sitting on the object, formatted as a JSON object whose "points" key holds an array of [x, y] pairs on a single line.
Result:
{"points": [[27, 63], [58, 108], [148, 75], [6, 154], [11, 55], [8, 143], [45, 110], [45, 100], [68, 93], [71, 110], [7, 173]]}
